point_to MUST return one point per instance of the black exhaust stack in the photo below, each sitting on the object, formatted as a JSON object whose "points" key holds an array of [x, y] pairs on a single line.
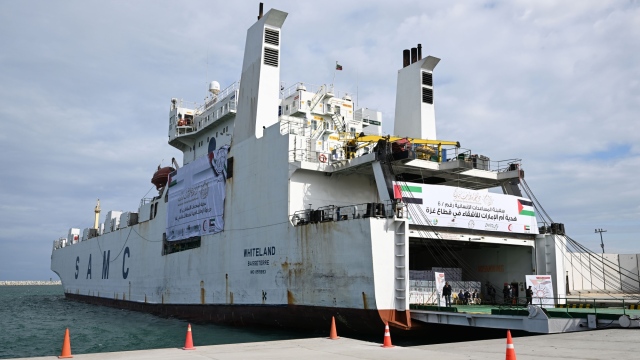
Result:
{"points": [[414, 55], [419, 52], [405, 58], [260, 12]]}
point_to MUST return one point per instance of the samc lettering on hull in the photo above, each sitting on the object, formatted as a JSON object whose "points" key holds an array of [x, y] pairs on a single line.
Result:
{"points": [[106, 261]]}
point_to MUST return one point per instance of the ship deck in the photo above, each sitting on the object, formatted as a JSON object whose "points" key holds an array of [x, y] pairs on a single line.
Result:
{"points": [[563, 318]]}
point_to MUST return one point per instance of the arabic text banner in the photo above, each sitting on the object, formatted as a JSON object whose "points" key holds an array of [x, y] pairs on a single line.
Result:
{"points": [[449, 206], [196, 197]]}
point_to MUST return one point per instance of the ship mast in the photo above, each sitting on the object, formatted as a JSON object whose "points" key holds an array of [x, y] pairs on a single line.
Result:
{"points": [[97, 211]]}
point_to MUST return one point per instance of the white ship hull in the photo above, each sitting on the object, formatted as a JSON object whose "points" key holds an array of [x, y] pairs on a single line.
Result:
{"points": [[260, 259], [309, 217]]}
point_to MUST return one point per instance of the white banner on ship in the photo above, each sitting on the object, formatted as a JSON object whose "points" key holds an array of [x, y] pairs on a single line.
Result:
{"points": [[196, 197], [439, 286], [542, 287], [449, 206]]}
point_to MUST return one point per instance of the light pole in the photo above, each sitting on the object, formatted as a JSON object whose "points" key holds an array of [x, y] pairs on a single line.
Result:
{"points": [[601, 242]]}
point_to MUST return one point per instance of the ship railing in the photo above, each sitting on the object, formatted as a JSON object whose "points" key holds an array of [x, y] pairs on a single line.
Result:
{"points": [[211, 101], [181, 103], [330, 213], [307, 155], [144, 201], [474, 161], [291, 90], [292, 125]]}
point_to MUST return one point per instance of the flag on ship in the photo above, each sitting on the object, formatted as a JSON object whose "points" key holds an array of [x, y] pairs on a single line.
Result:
{"points": [[525, 208], [338, 66], [410, 191]]}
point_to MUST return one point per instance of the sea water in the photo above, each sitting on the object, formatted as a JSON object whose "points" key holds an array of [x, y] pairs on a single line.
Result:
{"points": [[33, 320]]}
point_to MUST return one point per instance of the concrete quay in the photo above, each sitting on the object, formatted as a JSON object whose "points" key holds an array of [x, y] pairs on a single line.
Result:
{"points": [[610, 344], [29, 282]]}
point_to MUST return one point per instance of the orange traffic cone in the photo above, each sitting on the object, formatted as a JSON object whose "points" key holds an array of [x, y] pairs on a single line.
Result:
{"points": [[387, 337], [511, 351], [66, 346], [188, 343], [333, 334]]}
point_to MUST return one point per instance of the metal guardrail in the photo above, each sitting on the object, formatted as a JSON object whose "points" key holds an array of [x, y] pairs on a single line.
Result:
{"points": [[221, 96], [310, 88], [341, 213]]}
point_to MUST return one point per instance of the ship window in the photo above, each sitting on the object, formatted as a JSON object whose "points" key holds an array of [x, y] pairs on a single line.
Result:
{"points": [[170, 247], [286, 108], [314, 125], [427, 95], [427, 79], [270, 57], [229, 167], [337, 109]]}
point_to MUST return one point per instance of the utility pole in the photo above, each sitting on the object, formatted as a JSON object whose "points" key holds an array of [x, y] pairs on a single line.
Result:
{"points": [[601, 242], [604, 274]]}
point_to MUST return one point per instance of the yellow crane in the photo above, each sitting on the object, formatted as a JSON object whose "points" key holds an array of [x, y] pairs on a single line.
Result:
{"points": [[360, 141]]}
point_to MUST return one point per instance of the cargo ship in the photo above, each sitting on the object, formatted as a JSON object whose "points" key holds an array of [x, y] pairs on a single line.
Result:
{"points": [[291, 206]]}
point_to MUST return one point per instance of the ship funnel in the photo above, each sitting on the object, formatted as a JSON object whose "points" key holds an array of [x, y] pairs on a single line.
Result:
{"points": [[415, 114], [260, 11], [259, 92], [405, 58]]}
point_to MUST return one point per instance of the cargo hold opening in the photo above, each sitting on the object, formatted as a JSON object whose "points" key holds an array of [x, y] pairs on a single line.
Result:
{"points": [[470, 264]]}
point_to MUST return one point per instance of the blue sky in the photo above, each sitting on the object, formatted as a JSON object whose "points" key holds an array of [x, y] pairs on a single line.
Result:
{"points": [[86, 88]]}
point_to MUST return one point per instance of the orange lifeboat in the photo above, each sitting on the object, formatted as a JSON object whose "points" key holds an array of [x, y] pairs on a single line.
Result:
{"points": [[161, 177]]}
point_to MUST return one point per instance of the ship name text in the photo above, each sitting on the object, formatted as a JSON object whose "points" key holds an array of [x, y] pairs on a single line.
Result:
{"points": [[267, 251], [106, 261]]}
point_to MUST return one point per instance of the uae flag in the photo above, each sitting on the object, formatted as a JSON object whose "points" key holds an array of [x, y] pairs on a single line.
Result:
{"points": [[338, 66], [412, 194], [525, 208]]}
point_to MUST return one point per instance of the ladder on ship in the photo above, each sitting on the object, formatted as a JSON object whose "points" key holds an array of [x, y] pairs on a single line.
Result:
{"points": [[338, 122], [401, 268], [317, 97], [307, 155]]}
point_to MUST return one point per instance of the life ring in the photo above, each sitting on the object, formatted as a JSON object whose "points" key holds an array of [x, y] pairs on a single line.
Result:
{"points": [[322, 158]]}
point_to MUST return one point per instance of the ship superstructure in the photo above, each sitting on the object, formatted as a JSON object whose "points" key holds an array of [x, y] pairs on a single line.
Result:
{"points": [[292, 206]]}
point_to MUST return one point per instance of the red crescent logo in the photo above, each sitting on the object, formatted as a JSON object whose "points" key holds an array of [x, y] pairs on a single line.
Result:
{"points": [[509, 227], [204, 229]]}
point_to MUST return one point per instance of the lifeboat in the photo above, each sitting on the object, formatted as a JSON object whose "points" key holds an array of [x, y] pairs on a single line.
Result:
{"points": [[161, 177]]}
